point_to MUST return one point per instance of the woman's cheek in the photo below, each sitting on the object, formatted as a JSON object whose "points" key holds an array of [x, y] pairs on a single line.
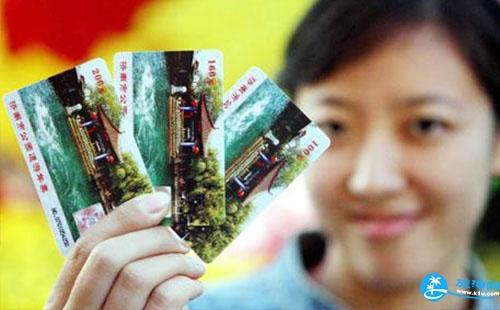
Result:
{"points": [[324, 182], [452, 188]]}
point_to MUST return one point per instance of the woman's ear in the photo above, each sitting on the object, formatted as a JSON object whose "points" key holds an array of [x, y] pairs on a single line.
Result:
{"points": [[496, 156]]}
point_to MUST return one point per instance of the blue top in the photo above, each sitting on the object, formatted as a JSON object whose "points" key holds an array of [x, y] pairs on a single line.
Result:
{"points": [[286, 284]]}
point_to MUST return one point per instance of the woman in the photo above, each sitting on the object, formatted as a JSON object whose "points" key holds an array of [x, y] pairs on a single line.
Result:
{"points": [[409, 92]]}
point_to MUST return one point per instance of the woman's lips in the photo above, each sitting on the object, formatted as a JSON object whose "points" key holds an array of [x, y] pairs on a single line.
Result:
{"points": [[379, 228]]}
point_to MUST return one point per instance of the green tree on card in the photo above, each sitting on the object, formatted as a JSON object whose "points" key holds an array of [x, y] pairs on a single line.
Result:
{"points": [[209, 241], [294, 165], [209, 187], [211, 89], [127, 181]]}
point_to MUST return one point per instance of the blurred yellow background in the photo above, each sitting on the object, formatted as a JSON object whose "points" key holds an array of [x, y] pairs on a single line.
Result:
{"points": [[250, 33]]}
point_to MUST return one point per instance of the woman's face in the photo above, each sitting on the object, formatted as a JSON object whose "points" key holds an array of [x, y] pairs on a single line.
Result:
{"points": [[405, 182]]}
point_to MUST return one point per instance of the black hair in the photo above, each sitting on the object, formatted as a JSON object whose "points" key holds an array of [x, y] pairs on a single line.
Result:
{"points": [[336, 32]]}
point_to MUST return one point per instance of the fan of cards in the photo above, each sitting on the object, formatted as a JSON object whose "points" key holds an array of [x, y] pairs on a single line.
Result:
{"points": [[92, 143]]}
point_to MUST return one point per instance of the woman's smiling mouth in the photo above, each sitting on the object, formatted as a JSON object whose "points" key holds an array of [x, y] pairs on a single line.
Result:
{"points": [[385, 227]]}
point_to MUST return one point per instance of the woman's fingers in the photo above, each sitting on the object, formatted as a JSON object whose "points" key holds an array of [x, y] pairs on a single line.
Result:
{"points": [[107, 259], [137, 280], [138, 213], [174, 293]]}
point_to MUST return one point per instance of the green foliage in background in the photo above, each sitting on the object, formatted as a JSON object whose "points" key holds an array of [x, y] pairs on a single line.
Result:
{"points": [[490, 256], [495, 185], [127, 181]]}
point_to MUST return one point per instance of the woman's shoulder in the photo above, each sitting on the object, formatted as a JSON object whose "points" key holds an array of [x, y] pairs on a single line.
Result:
{"points": [[252, 292], [284, 284]]}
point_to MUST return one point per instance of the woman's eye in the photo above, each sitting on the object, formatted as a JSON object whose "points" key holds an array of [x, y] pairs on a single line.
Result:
{"points": [[336, 128], [427, 127]]}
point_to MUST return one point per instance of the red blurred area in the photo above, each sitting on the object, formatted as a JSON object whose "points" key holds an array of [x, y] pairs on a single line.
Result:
{"points": [[69, 28]]}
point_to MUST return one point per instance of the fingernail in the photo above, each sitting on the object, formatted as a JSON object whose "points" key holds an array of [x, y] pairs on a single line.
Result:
{"points": [[197, 263], [200, 291], [156, 203], [181, 241]]}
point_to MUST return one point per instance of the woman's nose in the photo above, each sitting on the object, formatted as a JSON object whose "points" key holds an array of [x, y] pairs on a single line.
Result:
{"points": [[376, 172]]}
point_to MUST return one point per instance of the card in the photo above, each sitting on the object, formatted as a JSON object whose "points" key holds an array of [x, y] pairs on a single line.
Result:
{"points": [[268, 143], [83, 161], [174, 107]]}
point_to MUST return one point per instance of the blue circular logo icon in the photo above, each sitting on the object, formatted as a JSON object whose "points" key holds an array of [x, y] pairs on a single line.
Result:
{"points": [[433, 287]]}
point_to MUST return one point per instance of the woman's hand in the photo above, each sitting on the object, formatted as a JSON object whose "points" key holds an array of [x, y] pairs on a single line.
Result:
{"points": [[126, 261]]}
